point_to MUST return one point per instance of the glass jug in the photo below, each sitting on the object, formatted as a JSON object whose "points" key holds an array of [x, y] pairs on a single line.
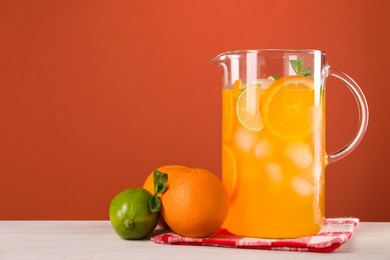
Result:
{"points": [[273, 140]]}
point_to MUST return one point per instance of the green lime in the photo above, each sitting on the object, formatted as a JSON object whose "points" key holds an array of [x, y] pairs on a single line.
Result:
{"points": [[130, 215], [248, 108], [248, 104]]}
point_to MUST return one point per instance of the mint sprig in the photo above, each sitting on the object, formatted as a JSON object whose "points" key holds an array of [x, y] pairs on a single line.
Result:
{"points": [[299, 68], [160, 181]]}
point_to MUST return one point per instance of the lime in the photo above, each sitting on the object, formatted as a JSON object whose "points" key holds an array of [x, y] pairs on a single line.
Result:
{"points": [[248, 108], [130, 215]]}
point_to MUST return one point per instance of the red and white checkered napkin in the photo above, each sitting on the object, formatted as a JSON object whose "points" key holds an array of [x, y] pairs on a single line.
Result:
{"points": [[332, 235]]}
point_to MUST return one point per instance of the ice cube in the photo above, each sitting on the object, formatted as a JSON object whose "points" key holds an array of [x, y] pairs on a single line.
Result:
{"points": [[264, 83], [300, 154], [301, 186], [244, 139], [263, 149], [274, 171]]}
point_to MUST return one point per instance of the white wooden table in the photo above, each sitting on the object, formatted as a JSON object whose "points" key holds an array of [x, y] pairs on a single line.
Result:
{"points": [[97, 240]]}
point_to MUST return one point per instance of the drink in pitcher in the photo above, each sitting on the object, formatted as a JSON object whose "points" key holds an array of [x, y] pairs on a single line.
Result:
{"points": [[269, 153], [273, 140]]}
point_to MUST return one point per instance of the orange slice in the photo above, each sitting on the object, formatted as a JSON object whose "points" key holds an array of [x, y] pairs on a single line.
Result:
{"points": [[227, 114], [229, 174], [237, 85], [287, 106], [229, 97]]}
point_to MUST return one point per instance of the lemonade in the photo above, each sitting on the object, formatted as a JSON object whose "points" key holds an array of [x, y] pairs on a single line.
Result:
{"points": [[273, 157]]}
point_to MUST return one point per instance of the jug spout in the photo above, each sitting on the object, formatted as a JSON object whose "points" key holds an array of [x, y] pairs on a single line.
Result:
{"points": [[230, 63], [219, 59]]}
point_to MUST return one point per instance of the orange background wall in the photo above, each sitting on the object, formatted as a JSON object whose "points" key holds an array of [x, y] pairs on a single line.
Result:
{"points": [[94, 95]]}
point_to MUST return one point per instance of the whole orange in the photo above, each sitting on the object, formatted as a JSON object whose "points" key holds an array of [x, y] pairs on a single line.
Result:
{"points": [[171, 170], [195, 203]]}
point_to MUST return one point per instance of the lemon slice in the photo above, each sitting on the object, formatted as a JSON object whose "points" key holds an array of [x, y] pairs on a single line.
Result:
{"points": [[248, 108], [286, 107]]}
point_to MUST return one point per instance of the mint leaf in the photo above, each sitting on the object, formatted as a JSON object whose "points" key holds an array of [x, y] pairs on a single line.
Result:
{"points": [[297, 65], [299, 69], [275, 77], [154, 203], [160, 180]]}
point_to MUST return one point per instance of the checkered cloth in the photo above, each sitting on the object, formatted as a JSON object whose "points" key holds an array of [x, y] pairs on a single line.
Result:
{"points": [[332, 235]]}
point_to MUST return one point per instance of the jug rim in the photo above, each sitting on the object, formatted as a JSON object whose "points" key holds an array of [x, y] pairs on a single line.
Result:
{"points": [[291, 51]]}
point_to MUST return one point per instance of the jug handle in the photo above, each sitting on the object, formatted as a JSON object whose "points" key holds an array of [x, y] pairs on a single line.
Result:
{"points": [[363, 113]]}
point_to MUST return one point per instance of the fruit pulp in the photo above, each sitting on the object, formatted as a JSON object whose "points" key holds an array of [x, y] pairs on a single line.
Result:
{"points": [[273, 158]]}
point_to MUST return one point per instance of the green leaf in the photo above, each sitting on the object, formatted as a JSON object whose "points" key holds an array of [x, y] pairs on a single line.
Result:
{"points": [[299, 69], [297, 65], [160, 180], [275, 77], [154, 203], [308, 69]]}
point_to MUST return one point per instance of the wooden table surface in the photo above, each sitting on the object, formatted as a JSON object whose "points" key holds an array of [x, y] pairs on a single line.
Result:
{"points": [[97, 240]]}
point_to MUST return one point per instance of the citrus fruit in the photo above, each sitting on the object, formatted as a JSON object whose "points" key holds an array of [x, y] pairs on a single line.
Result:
{"points": [[287, 105], [229, 97], [195, 203], [130, 215], [227, 114], [248, 108], [171, 170], [229, 174]]}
